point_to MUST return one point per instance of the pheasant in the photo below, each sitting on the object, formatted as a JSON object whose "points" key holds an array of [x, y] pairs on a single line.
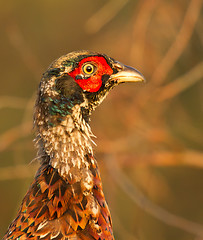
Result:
{"points": [[66, 199]]}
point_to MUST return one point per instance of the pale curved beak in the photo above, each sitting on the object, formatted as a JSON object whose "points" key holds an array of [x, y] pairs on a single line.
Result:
{"points": [[126, 74]]}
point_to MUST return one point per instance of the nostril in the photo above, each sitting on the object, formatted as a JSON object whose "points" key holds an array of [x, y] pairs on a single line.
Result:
{"points": [[119, 66]]}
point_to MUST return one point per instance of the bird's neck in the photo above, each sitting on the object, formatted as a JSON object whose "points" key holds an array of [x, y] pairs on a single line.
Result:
{"points": [[67, 146]]}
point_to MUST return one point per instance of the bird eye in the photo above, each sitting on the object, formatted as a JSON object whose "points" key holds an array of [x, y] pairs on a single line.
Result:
{"points": [[88, 68]]}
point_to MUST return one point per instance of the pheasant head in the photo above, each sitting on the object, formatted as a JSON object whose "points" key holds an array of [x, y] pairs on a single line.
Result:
{"points": [[81, 78]]}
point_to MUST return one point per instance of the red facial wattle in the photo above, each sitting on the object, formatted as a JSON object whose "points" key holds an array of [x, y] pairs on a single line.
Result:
{"points": [[93, 82]]}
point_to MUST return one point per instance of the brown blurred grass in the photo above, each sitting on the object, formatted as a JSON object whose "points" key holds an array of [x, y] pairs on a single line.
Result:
{"points": [[150, 145]]}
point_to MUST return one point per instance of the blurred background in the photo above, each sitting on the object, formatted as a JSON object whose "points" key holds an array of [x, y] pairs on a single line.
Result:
{"points": [[149, 136]]}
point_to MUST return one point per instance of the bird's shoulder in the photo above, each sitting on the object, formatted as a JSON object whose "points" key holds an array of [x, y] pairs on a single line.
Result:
{"points": [[54, 208]]}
